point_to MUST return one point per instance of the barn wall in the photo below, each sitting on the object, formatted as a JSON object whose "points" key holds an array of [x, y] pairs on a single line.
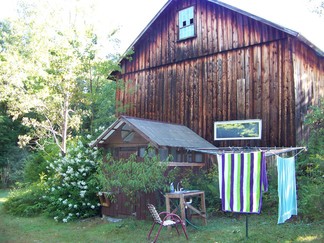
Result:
{"points": [[309, 84], [236, 68], [241, 84]]}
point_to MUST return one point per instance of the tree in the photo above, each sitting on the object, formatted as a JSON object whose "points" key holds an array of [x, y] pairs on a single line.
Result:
{"points": [[11, 158], [317, 6], [48, 71]]}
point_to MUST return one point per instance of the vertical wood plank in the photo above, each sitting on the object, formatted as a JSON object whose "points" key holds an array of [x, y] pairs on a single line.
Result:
{"points": [[265, 95]]}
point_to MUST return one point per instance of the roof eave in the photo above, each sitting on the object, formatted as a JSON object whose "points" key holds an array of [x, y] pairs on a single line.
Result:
{"points": [[144, 30], [296, 34]]}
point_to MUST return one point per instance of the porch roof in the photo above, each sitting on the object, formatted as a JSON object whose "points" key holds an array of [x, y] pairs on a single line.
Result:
{"points": [[159, 134]]}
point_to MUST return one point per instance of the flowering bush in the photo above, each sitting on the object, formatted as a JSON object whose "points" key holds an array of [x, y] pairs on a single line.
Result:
{"points": [[73, 185]]}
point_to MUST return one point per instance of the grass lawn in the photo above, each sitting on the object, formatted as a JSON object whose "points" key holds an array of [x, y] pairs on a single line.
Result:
{"points": [[261, 228]]}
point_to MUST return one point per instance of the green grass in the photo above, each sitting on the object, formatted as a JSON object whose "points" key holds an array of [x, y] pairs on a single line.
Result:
{"points": [[262, 228]]}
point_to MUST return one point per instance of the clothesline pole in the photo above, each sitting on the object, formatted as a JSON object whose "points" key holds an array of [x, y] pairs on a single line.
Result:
{"points": [[246, 226]]}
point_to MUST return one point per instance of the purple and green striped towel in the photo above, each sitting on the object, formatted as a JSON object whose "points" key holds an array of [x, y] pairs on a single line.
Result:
{"points": [[242, 178]]}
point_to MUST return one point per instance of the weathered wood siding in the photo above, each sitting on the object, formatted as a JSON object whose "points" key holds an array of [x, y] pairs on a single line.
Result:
{"points": [[309, 84], [235, 68]]}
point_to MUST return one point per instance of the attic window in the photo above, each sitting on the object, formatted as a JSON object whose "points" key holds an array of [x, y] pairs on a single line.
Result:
{"points": [[186, 23], [127, 134]]}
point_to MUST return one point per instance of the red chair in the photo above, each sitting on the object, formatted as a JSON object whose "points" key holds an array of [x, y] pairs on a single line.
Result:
{"points": [[170, 219]]}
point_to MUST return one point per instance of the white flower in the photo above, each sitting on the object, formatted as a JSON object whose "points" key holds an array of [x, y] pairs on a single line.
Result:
{"points": [[88, 136], [64, 220], [92, 206], [70, 205], [56, 218], [82, 193], [75, 206]]}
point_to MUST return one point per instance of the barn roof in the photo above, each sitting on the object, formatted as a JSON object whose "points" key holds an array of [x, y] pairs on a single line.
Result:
{"points": [[159, 134], [274, 25]]}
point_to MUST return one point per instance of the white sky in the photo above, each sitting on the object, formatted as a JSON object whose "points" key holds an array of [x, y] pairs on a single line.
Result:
{"points": [[132, 16]]}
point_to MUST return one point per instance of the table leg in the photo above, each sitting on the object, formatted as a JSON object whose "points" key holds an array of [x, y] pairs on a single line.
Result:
{"points": [[203, 208], [183, 209], [167, 204]]}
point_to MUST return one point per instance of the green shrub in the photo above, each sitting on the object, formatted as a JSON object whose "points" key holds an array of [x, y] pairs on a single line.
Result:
{"points": [[206, 181], [270, 199], [311, 203], [310, 168], [72, 189], [37, 161], [131, 176], [68, 189], [28, 200]]}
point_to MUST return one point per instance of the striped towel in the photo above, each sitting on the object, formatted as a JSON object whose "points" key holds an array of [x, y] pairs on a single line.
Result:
{"points": [[242, 178]]}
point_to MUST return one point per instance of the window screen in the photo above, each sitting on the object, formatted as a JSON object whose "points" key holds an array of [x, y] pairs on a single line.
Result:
{"points": [[186, 23]]}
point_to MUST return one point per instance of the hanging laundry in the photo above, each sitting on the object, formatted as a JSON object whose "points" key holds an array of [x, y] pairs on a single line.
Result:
{"points": [[242, 178], [286, 188]]}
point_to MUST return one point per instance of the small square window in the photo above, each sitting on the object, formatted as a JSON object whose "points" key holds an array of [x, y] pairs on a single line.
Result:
{"points": [[186, 23]]}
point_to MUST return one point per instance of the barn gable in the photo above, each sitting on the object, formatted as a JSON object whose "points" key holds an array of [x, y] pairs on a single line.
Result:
{"points": [[243, 13]]}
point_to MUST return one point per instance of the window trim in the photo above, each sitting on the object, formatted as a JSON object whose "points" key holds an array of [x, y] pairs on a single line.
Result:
{"points": [[218, 127], [193, 24]]}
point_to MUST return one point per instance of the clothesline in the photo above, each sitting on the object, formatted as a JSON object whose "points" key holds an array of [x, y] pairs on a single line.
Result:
{"points": [[269, 151]]}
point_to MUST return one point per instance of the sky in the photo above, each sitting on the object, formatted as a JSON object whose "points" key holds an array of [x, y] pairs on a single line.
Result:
{"points": [[132, 16]]}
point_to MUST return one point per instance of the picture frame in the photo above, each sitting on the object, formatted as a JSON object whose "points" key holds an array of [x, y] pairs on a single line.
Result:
{"points": [[238, 129]]}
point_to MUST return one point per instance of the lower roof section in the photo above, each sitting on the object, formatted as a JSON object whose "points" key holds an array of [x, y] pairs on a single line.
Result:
{"points": [[132, 130]]}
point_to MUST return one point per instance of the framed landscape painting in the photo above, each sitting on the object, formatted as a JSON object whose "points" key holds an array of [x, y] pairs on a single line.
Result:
{"points": [[238, 129]]}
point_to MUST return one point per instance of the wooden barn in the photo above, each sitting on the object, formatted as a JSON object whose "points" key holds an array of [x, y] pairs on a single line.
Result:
{"points": [[201, 61]]}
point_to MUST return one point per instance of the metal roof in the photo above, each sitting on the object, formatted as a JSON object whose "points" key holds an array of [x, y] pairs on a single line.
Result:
{"points": [[159, 134], [286, 30]]}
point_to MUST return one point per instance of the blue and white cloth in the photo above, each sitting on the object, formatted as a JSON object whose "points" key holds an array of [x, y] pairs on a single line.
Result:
{"points": [[286, 188]]}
